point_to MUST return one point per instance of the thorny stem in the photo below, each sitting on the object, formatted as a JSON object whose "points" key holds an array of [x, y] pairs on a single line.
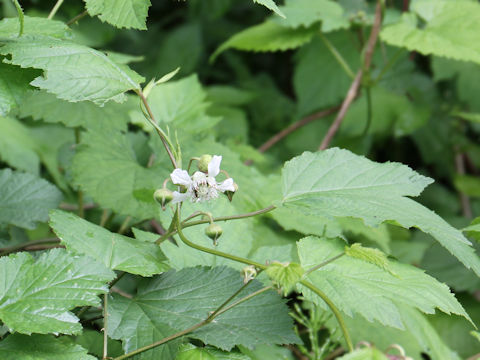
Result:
{"points": [[160, 132], [20, 16], [55, 9], [16, 248], [322, 264], [220, 310], [105, 324], [354, 87]]}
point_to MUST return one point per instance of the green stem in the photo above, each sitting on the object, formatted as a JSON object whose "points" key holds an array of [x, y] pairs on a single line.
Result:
{"points": [[81, 211], [245, 298], [55, 9], [326, 262], [388, 66], [105, 324], [76, 18], [20, 16], [334, 309], [336, 54], [368, 92], [15, 248]]}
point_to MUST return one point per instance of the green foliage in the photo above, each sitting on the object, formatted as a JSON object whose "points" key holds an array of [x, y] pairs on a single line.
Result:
{"points": [[120, 13], [372, 256], [365, 354], [25, 199], [270, 4], [285, 275], [14, 83], [37, 294], [115, 251]]}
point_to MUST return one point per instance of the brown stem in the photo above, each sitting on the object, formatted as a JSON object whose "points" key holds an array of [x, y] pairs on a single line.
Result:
{"points": [[354, 87], [27, 245], [464, 199], [296, 125], [76, 18], [74, 207]]}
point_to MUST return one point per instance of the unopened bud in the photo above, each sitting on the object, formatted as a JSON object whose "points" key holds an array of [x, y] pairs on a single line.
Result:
{"points": [[214, 231], [163, 196], [203, 162]]}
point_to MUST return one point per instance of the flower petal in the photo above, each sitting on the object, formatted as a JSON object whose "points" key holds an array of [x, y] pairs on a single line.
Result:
{"points": [[214, 166], [179, 197], [226, 185], [180, 177]]}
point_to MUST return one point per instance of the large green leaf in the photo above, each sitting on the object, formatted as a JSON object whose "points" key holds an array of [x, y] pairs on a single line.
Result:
{"points": [[437, 37], [116, 252], [337, 183], [42, 105], [36, 294], [71, 71], [41, 347], [270, 4], [176, 301], [121, 13], [25, 199], [33, 26], [358, 287], [14, 83], [268, 36], [306, 12], [17, 146]]}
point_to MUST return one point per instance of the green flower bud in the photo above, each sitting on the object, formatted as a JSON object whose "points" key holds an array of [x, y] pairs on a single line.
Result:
{"points": [[214, 231], [203, 162], [163, 196]]}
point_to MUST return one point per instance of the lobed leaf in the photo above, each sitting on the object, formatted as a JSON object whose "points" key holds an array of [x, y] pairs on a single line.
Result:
{"points": [[35, 295]]}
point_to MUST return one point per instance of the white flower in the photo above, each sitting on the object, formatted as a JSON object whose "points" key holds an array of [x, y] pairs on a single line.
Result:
{"points": [[200, 186]]}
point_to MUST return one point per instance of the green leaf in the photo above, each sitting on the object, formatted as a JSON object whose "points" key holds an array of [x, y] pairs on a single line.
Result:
{"points": [[372, 256], [368, 353], [179, 104], [467, 184], [41, 347], [25, 199], [36, 294], [14, 83], [93, 341], [358, 287], [437, 37], [285, 275], [191, 352], [176, 301], [117, 181], [116, 252], [72, 72], [120, 13], [270, 4], [33, 26], [337, 183], [306, 12], [42, 105], [17, 146], [473, 117], [268, 36]]}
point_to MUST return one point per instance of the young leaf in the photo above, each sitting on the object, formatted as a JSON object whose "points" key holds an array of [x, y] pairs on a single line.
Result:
{"points": [[356, 286], [285, 275], [17, 146], [120, 13], [41, 347], [116, 252], [25, 199], [370, 255], [337, 183], [270, 4], [268, 36], [36, 294], [176, 301], [72, 72], [437, 37]]}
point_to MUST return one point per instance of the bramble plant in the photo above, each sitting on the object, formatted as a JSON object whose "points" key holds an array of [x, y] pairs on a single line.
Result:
{"points": [[166, 219]]}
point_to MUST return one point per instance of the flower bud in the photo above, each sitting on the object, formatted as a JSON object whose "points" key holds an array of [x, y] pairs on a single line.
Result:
{"points": [[214, 231], [163, 196], [203, 162]]}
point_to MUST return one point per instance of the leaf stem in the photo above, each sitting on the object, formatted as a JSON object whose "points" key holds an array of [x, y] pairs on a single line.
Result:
{"points": [[163, 136], [322, 264], [76, 18], [81, 211], [20, 16], [55, 9], [124, 225], [105, 324], [16, 248], [336, 54]]}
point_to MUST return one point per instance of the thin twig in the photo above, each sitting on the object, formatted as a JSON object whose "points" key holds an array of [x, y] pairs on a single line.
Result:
{"points": [[354, 87], [78, 17], [464, 199], [158, 227], [326, 262], [55, 9]]}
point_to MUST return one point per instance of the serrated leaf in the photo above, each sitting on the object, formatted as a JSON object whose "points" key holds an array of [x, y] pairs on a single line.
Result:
{"points": [[285, 275], [337, 183], [120, 13], [437, 37], [306, 12], [268, 36], [41, 347], [116, 252], [14, 83], [42, 105], [17, 146], [176, 301], [25, 199], [35, 295], [72, 72], [370, 255], [33, 26], [117, 181], [270, 4], [357, 287]]}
